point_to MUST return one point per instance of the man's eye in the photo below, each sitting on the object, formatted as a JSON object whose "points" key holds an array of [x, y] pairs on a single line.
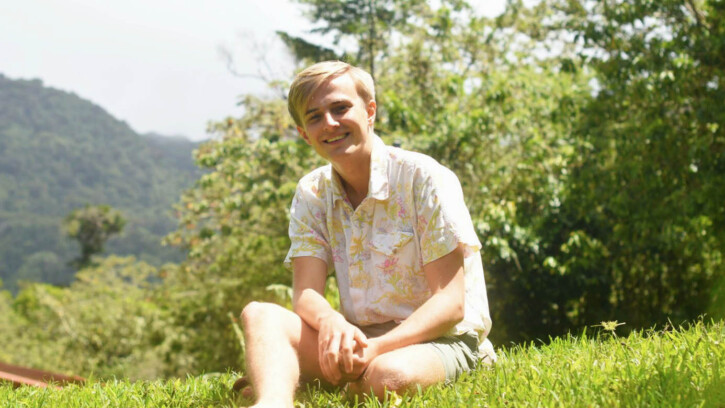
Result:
{"points": [[313, 118], [341, 109]]}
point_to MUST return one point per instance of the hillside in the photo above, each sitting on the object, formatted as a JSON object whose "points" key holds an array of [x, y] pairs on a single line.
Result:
{"points": [[59, 152], [667, 368]]}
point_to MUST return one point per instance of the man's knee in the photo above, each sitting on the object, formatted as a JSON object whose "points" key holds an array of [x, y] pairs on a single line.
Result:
{"points": [[268, 321], [387, 374], [256, 313]]}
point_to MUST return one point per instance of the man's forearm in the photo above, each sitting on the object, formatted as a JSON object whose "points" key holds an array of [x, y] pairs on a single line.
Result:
{"points": [[310, 275], [440, 313], [431, 320], [311, 306]]}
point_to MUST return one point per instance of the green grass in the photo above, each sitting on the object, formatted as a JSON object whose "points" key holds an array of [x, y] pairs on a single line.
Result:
{"points": [[669, 368]]}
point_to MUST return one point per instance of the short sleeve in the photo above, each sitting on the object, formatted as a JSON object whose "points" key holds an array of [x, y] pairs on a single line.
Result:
{"points": [[443, 219], [306, 228]]}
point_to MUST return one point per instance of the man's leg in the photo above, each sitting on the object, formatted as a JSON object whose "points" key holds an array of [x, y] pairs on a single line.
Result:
{"points": [[280, 348], [401, 370]]}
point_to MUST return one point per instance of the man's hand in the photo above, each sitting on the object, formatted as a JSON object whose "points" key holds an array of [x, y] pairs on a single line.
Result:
{"points": [[362, 357], [337, 341]]}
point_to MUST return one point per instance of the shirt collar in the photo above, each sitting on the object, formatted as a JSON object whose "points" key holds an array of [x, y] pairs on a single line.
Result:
{"points": [[378, 184]]}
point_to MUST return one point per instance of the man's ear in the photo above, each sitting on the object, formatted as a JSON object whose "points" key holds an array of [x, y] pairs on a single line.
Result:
{"points": [[303, 134], [371, 110]]}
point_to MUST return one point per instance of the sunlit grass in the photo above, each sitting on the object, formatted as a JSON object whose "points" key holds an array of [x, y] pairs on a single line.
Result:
{"points": [[668, 368]]}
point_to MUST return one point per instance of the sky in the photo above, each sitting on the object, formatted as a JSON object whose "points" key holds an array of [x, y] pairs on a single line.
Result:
{"points": [[155, 64]]}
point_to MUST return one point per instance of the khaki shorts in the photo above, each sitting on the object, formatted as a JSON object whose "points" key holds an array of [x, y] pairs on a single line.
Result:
{"points": [[459, 354]]}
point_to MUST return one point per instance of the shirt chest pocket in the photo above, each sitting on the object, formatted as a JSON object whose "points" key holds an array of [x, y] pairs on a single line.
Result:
{"points": [[395, 267], [391, 243]]}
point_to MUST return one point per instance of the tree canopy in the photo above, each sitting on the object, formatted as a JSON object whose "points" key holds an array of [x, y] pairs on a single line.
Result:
{"points": [[92, 226]]}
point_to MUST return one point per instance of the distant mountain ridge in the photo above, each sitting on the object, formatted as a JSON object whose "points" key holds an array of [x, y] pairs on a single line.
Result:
{"points": [[59, 152]]}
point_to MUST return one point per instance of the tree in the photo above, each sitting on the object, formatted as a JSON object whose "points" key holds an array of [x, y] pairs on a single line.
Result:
{"points": [[92, 226], [367, 29], [646, 192]]}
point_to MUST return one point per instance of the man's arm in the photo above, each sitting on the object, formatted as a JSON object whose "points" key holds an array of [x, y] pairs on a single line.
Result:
{"points": [[432, 319], [337, 338]]}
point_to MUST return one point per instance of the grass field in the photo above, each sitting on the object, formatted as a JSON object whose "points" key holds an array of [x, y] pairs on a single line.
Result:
{"points": [[682, 367]]}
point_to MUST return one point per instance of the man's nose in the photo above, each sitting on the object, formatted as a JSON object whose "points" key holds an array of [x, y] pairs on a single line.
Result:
{"points": [[330, 120]]}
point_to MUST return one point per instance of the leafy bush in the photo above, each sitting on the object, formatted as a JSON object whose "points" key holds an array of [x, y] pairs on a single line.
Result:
{"points": [[106, 323]]}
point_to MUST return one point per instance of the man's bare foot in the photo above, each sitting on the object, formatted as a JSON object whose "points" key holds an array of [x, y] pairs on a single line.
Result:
{"points": [[242, 386]]}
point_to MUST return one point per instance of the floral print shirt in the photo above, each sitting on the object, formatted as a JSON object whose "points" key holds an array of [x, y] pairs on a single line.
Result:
{"points": [[414, 213]]}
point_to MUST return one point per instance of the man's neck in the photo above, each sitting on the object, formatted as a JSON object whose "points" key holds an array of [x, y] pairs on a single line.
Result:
{"points": [[355, 178]]}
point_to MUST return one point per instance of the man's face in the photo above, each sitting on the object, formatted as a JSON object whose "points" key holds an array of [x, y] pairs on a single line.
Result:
{"points": [[338, 123]]}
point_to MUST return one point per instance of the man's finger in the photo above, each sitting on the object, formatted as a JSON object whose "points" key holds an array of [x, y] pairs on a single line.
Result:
{"points": [[332, 355], [324, 360], [326, 372], [333, 348], [321, 348], [347, 344], [332, 373], [360, 337]]}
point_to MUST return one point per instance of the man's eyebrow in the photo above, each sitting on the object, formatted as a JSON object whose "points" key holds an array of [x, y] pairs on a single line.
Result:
{"points": [[333, 103]]}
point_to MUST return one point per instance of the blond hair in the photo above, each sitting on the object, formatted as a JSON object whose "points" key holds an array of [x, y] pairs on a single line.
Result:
{"points": [[307, 81]]}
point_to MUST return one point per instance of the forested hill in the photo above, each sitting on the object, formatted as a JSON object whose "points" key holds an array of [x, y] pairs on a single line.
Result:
{"points": [[59, 152]]}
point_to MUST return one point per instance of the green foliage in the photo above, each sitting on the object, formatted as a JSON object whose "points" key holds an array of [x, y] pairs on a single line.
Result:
{"points": [[638, 229], [305, 51], [371, 26], [92, 226], [106, 323], [43, 266], [668, 368], [24, 237]]}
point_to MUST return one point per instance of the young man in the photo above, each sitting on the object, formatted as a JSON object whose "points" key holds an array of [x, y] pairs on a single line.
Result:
{"points": [[393, 226]]}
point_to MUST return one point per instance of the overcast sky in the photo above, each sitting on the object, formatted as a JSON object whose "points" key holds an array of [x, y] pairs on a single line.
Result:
{"points": [[152, 63]]}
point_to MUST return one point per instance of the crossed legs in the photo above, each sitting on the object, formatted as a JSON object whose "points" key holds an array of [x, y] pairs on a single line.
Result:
{"points": [[282, 349]]}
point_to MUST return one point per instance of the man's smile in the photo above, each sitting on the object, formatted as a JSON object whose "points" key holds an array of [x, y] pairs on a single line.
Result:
{"points": [[337, 138]]}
